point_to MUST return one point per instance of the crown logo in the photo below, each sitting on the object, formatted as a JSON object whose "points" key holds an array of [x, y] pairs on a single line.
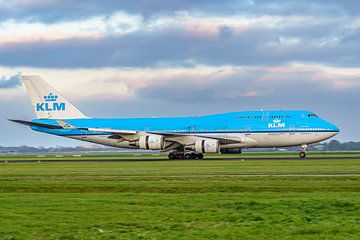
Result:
{"points": [[50, 98], [277, 121]]}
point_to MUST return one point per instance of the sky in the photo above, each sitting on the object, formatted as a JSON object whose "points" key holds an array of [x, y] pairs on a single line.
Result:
{"points": [[117, 58]]}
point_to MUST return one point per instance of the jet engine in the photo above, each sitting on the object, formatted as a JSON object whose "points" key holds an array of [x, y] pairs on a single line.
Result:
{"points": [[152, 142], [207, 145]]}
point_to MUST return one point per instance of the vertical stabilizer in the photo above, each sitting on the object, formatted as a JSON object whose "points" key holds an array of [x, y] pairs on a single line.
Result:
{"points": [[47, 102]]}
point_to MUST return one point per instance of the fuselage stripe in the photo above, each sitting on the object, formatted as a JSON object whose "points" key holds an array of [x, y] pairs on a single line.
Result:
{"points": [[194, 133]]}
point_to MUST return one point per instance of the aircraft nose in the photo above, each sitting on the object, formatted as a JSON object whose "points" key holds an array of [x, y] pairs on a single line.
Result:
{"points": [[335, 128], [332, 134], [331, 131]]}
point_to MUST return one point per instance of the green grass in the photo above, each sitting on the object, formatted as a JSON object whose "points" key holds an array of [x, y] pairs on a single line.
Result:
{"points": [[179, 200]]}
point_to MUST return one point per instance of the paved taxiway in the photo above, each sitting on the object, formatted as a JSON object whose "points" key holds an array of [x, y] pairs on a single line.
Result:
{"points": [[163, 159]]}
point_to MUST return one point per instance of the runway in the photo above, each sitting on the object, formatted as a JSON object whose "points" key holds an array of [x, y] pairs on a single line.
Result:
{"points": [[167, 160]]}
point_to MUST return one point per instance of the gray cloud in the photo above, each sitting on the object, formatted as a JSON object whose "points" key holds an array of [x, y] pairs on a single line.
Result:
{"points": [[59, 10], [11, 82], [266, 85], [329, 43]]}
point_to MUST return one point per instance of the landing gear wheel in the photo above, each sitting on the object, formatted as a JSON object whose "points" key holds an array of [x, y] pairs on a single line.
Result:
{"points": [[302, 154], [172, 156], [185, 155]]}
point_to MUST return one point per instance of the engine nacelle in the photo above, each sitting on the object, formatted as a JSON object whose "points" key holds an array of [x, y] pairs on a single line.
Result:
{"points": [[152, 142], [207, 145]]}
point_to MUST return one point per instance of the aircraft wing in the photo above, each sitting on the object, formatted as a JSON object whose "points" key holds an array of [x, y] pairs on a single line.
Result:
{"points": [[126, 134], [170, 136], [222, 138], [132, 134], [232, 139], [109, 130], [174, 136]]}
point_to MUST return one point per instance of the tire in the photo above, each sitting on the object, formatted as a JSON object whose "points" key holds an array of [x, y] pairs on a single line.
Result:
{"points": [[302, 154], [187, 156], [193, 155], [172, 156], [200, 156]]}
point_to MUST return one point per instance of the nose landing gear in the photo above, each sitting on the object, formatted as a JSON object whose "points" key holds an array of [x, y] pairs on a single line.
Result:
{"points": [[302, 153]]}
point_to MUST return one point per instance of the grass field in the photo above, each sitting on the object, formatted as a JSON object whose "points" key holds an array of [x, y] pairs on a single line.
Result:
{"points": [[180, 200]]}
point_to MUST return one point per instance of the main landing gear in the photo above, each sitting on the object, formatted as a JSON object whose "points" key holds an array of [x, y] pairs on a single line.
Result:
{"points": [[302, 153], [185, 155]]}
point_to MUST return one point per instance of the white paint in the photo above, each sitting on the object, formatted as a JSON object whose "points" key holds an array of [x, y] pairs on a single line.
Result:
{"points": [[259, 139]]}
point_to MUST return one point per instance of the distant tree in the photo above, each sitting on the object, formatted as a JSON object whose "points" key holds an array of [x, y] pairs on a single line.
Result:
{"points": [[334, 145], [351, 146]]}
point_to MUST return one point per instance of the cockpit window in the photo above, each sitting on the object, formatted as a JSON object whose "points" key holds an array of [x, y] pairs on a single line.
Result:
{"points": [[312, 115]]}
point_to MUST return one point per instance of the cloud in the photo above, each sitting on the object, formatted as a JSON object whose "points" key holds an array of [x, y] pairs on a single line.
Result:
{"points": [[196, 83], [53, 11], [127, 40], [231, 84], [10, 82], [13, 31], [63, 10]]}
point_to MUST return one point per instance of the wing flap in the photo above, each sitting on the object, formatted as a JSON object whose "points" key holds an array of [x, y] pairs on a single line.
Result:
{"points": [[233, 139]]}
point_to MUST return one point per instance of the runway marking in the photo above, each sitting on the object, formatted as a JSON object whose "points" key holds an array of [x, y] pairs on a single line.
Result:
{"points": [[245, 175], [277, 175]]}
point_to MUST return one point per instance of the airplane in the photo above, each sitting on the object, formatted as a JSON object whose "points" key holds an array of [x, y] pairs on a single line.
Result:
{"points": [[182, 137]]}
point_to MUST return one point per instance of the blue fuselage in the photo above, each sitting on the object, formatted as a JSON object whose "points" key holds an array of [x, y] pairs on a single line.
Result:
{"points": [[234, 122]]}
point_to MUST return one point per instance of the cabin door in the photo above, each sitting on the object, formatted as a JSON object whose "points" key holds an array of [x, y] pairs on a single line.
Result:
{"points": [[265, 116], [292, 129], [83, 134]]}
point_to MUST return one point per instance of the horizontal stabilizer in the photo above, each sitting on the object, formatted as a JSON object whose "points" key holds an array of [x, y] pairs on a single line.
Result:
{"points": [[28, 123]]}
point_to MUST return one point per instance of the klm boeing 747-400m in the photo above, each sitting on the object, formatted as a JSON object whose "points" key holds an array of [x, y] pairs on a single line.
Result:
{"points": [[182, 137]]}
